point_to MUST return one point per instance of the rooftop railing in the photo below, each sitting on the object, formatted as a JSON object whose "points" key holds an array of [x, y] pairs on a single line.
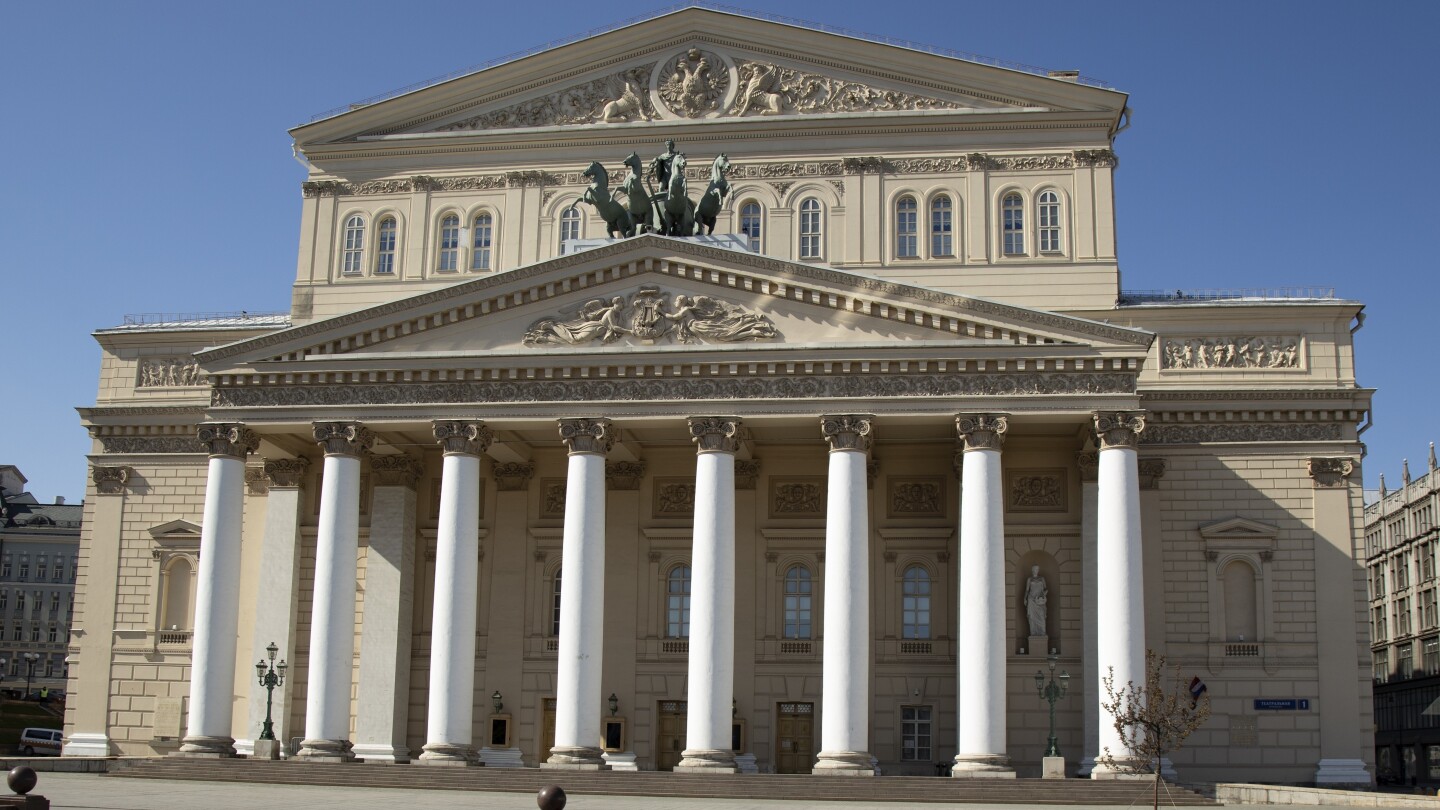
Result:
{"points": [[1128, 297]]}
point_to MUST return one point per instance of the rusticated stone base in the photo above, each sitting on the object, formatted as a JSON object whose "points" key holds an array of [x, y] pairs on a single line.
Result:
{"points": [[706, 760], [982, 766], [202, 747], [844, 763], [575, 758], [319, 750], [449, 754]]}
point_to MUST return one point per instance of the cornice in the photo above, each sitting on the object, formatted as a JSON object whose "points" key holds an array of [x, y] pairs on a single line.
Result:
{"points": [[1229, 395]]}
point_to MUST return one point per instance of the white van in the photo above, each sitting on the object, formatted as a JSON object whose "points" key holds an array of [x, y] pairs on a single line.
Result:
{"points": [[41, 742]]}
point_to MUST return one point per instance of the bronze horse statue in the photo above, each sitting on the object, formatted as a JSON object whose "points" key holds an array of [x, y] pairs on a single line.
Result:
{"points": [[714, 196], [617, 218], [679, 211], [638, 198]]}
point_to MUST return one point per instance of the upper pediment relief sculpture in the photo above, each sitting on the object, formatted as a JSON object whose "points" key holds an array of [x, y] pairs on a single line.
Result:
{"points": [[649, 316], [773, 90]]}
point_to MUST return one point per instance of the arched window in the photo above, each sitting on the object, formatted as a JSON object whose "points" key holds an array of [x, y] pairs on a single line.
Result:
{"points": [[942, 226], [449, 257], [677, 602], [907, 228], [798, 587], [750, 224], [175, 612], [810, 228], [915, 606], [354, 254], [570, 224], [385, 247], [1012, 219], [555, 605], [480, 252], [1239, 582], [1047, 218]]}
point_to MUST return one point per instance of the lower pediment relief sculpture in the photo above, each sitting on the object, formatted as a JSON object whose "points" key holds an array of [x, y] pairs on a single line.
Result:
{"points": [[1230, 352], [650, 316]]}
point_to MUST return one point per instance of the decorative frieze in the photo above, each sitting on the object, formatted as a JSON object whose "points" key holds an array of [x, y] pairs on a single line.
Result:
{"points": [[552, 497], [618, 97], [168, 372], [1043, 490], [694, 85], [110, 480], [1262, 352], [396, 470], [1330, 472], [1213, 434], [587, 435], [1119, 428], [847, 431], [512, 476], [463, 437], [747, 472], [797, 497], [651, 315], [343, 438], [136, 445], [916, 497], [228, 439], [1096, 158], [982, 431], [624, 475], [286, 472], [715, 434], [768, 89], [674, 497]]}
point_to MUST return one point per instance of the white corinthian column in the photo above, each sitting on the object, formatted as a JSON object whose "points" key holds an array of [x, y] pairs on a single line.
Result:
{"points": [[448, 739], [1119, 586], [980, 667], [845, 681], [582, 599], [217, 592], [332, 619], [712, 599]]}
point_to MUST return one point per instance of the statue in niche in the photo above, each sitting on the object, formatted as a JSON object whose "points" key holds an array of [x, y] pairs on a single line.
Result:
{"points": [[1037, 595]]}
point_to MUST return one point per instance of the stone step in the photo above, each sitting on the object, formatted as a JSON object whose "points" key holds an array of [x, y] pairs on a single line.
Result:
{"points": [[653, 783]]}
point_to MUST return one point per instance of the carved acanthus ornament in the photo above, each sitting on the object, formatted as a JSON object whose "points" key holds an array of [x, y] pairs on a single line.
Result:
{"points": [[1089, 464], [624, 475], [767, 89], [1230, 352], [255, 481], [587, 435], [1215, 434], [1331, 472], [343, 438], [982, 431], [1151, 471], [464, 436], [694, 85], [1096, 158], [651, 315], [168, 372], [1119, 428], [512, 476], [847, 431], [228, 439], [747, 472], [715, 434], [286, 472], [110, 480], [622, 96], [396, 470]]}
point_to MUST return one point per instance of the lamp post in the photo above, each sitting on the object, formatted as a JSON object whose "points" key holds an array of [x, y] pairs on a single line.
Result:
{"points": [[614, 704], [1052, 691], [496, 702], [31, 659], [271, 675]]}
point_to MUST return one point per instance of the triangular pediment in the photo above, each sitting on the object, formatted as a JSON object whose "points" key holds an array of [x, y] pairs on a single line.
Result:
{"points": [[656, 296], [176, 531], [701, 65], [1238, 534]]}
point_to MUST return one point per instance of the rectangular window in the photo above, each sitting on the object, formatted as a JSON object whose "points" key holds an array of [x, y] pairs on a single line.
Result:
{"points": [[907, 229], [54, 604], [385, 247], [449, 243], [20, 601], [354, 246], [1049, 222], [41, 570], [35, 633], [942, 242], [5, 570], [24, 570], [1430, 655], [1382, 666], [1405, 663], [53, 635], [1377, 581], [74, 567], [1427, 610], [1402, 618], [1427, 561], [1012, 223], [810, 229], [4, 598], [1377, 624], [915, 733], [480, 255]]}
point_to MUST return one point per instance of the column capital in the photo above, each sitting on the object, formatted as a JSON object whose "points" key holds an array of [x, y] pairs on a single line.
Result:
{"points": [[715, 434], [1119, 429], [512, 476], [228, 439], [849, 431], [343, 438], [624, 475], [587, 435], [1089, 463], [982, 431], [469, 437], [1151, 471], [396, 471], [1330, 472], [747, 472], [110, 480], [286, 472]]}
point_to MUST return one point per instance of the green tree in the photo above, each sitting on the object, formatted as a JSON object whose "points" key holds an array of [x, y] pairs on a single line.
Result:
{"points": [[1152, 720]]}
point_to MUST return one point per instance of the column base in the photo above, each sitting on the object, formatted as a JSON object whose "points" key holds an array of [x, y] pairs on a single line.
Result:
{"points": [[575, 758], [501, 758], [449, 754], [202, 747], [844, 763], [1087, 764], [621, 761], [745, 763], [381, 754], [1131, 768], [1342, 772], [86, 745], [982, 766], [319, 750], [706, 760]]}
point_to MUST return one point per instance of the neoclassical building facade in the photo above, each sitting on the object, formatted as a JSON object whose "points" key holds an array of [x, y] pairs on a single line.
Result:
{"points": [[502, 489]]}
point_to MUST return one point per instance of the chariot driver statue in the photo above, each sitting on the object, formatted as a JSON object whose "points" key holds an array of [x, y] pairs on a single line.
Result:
{"points": [[660, 166]]}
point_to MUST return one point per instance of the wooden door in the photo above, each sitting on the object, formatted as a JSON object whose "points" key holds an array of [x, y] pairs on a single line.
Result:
{"points": [[547, 730], [670, 738], [795, 738]]}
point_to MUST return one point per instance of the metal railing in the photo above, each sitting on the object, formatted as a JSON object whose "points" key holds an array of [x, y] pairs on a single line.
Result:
{"points": [[151, 318], [702, 4], [1224, 294]]}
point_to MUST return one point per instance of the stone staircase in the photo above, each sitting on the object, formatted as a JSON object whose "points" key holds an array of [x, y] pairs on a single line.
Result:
{"points": [[654, 783]]}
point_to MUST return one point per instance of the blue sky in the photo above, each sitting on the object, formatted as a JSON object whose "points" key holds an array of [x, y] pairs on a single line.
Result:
{"points": [[146, 165]]}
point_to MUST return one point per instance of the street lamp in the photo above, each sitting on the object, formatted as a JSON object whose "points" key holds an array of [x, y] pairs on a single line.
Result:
{"points": [[614, 704], [496, 702], [31, 659], [271, 675], [1051, 692]]}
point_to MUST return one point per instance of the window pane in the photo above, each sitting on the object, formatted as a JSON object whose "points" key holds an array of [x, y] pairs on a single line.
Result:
{"points": [[385, 247], [449, 243], [750, 224], [1013, 225], [810, 229], [480, 254], [941, 224], [906, 229]]}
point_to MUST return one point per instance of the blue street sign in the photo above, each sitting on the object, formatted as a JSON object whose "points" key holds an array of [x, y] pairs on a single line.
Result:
{"points": [[1272, 704]]}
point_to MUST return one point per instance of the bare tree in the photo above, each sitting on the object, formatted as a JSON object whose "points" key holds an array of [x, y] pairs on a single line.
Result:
{"points": [[1152, 720]]}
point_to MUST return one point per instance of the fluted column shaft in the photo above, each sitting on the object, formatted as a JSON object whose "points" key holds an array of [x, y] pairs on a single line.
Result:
{"points": [[217, 592], [845, 682], [980, 667], [712, 599], [582, 598], [1119, 587], [448, 737], [332, 628]]}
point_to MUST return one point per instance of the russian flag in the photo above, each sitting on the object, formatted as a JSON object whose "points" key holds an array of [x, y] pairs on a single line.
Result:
{"points": [[1197, 688]]}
